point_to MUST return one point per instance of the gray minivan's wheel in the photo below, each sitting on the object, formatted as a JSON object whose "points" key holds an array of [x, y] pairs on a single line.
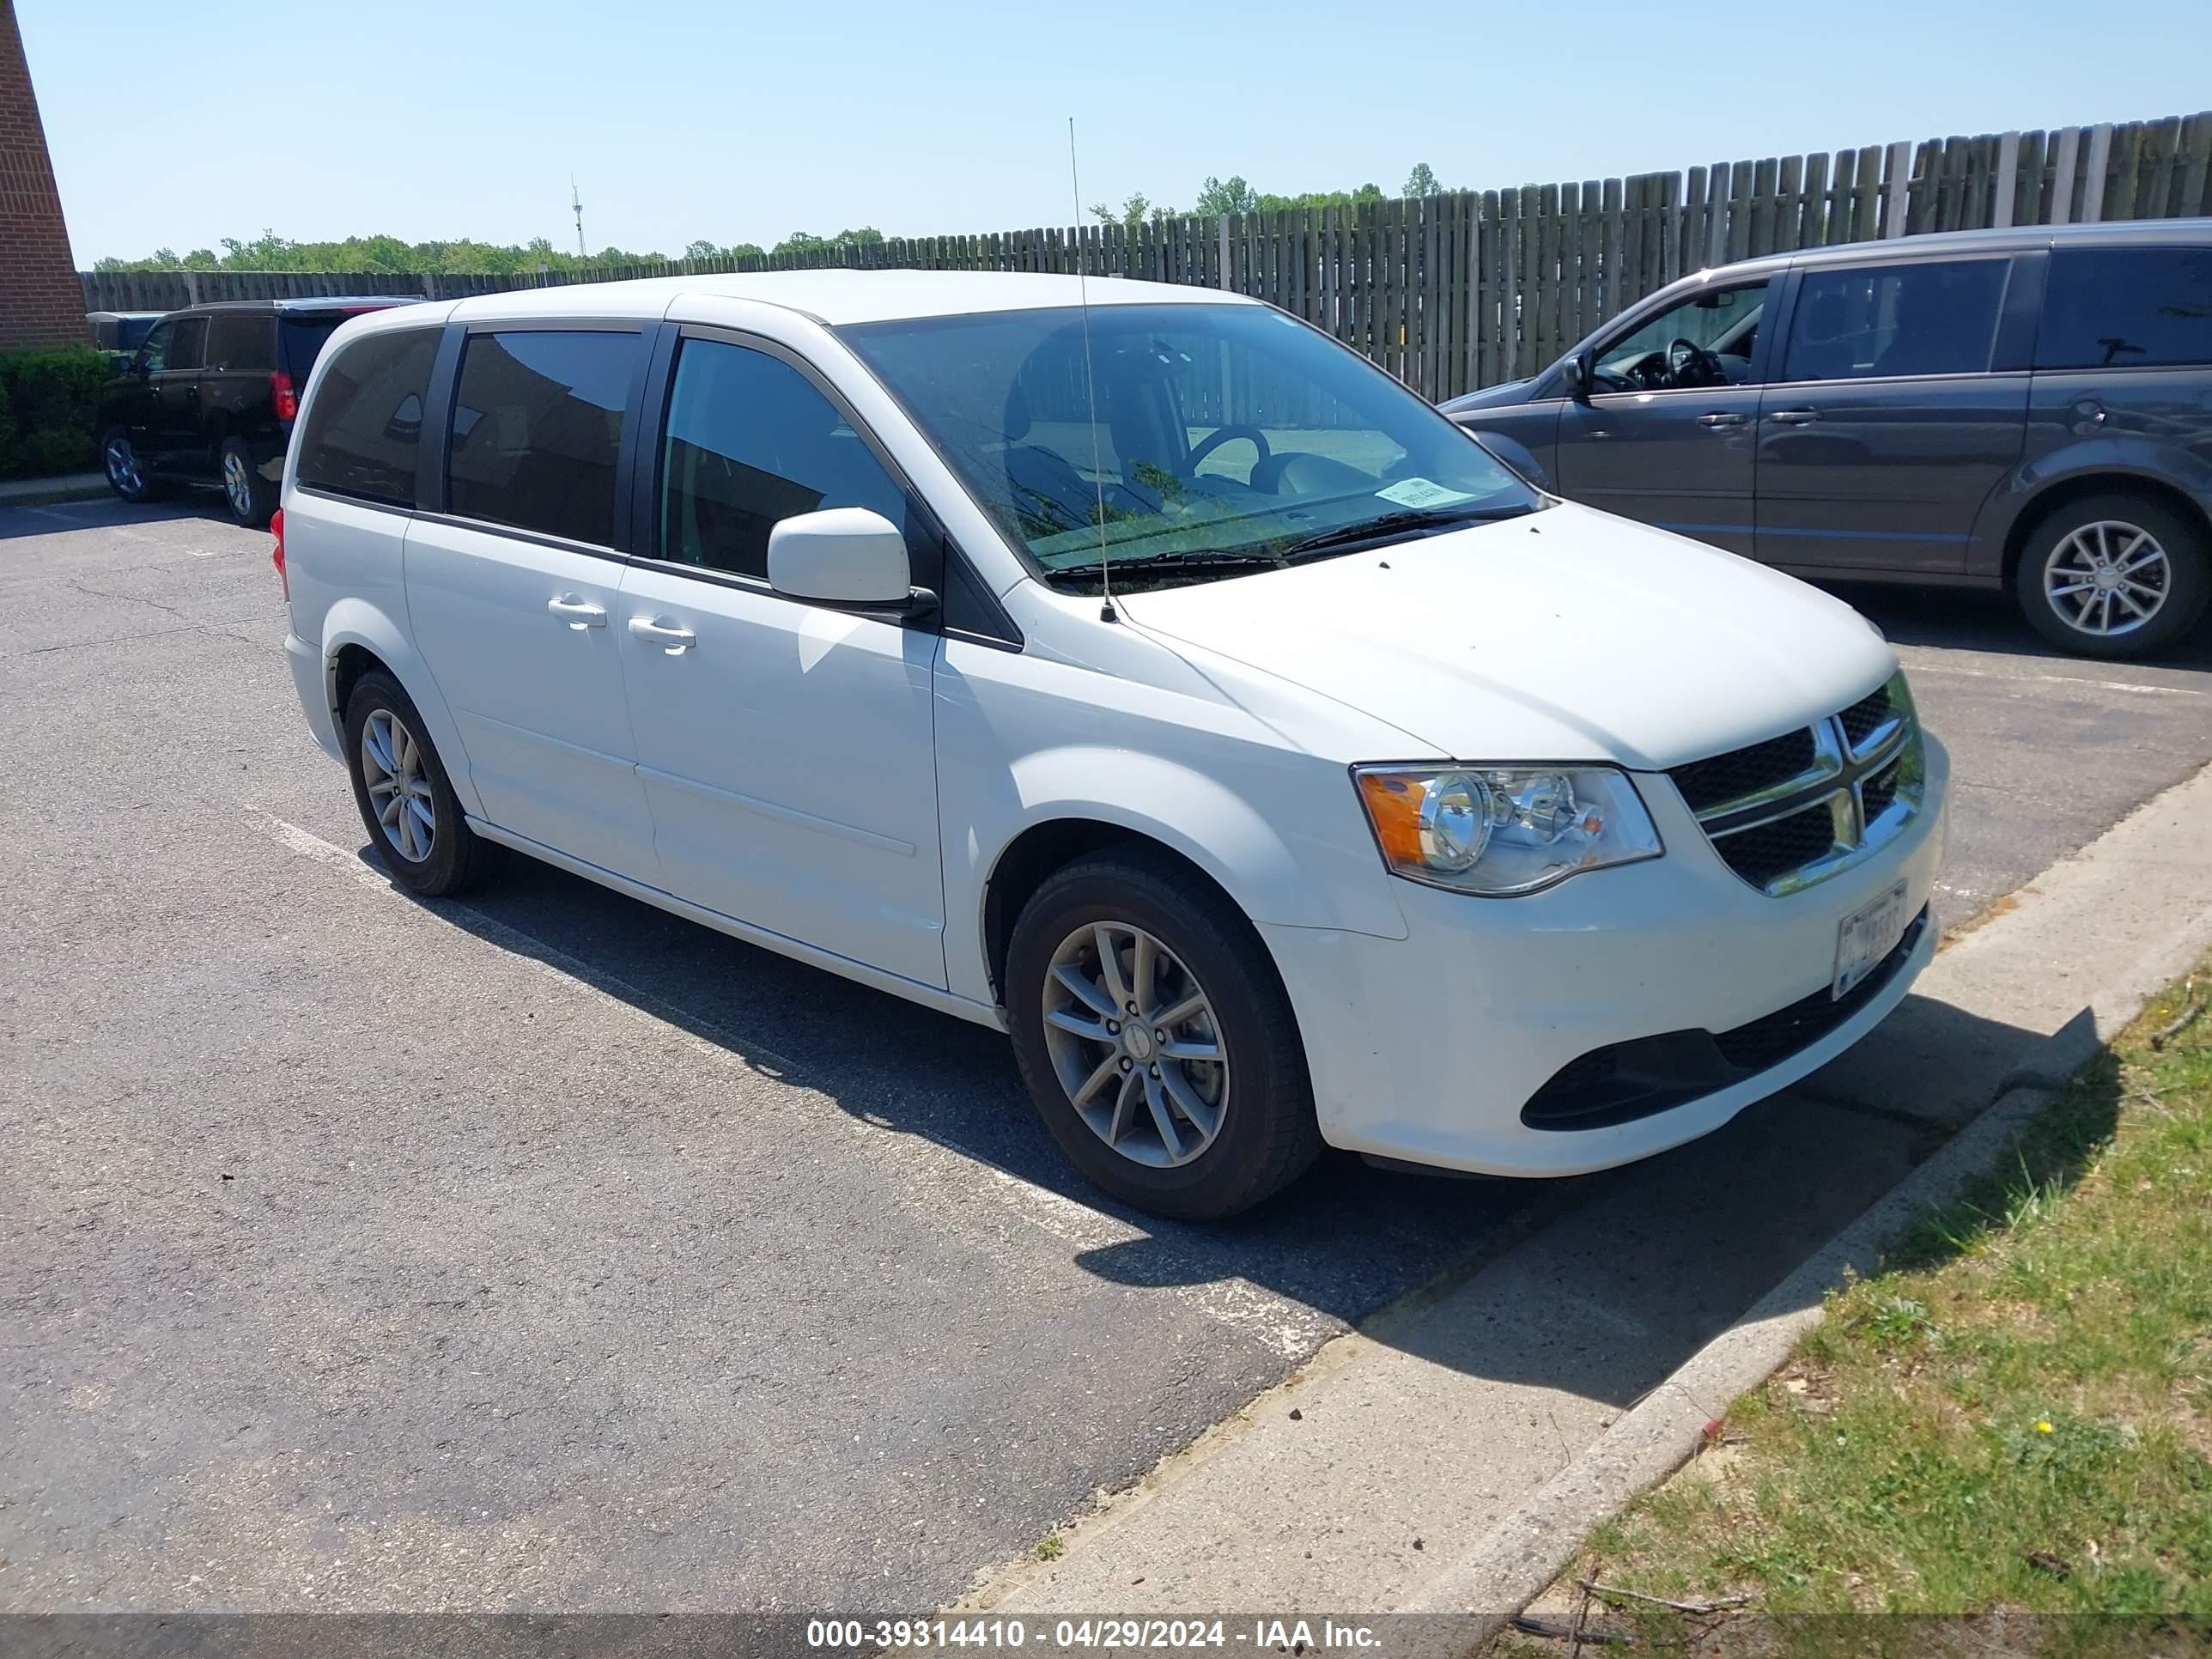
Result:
{"points": [[2117, 575], [406, 803], [1156, 1039], [252, 498], [127, 473]]}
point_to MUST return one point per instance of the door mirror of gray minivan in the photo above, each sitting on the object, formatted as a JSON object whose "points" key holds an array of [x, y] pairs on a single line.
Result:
{"points": [[1575, 375], [843, 556]]}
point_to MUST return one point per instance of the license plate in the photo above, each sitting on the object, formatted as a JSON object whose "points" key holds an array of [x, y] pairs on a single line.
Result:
{"points": [[1865, 937]]}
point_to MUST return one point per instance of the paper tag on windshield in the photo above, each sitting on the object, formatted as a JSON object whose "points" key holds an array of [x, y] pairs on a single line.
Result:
{"points": [[1419, 492]]}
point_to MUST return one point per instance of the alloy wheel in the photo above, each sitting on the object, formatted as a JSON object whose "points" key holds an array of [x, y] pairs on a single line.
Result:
{"points": [[236, 484], [122, 467], [398, 786], [1135, 1044], [2108, 578]]}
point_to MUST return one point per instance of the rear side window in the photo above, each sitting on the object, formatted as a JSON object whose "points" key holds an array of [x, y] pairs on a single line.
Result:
{"points": [[537, 428], [302, 340], [241, 342], [188, 348], [751, 442], [2121, 308], [365, 422], [1876, 322]]}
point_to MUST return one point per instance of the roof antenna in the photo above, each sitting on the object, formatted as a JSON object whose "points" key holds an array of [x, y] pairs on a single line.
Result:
{"points": [[1106, 612]]}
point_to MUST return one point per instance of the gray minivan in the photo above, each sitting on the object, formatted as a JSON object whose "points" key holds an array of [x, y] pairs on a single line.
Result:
{"points": [[2029, 408]]}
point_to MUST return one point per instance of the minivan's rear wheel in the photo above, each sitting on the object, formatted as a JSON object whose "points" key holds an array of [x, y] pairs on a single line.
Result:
{"points": [[252, 498], [1156, 1039], [127, 474], [406, 802], [2116, 575]]}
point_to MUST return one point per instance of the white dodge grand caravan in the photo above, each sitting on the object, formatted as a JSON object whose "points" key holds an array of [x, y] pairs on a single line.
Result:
{"points": [[1155, 680]]}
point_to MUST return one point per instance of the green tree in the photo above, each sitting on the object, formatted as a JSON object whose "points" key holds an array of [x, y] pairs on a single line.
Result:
{"points": [[1422, 181], [1130, 215], [1217, 196]]}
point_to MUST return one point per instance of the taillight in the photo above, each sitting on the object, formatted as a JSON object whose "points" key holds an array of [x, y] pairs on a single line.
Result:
{"points": [[276, 558], [280, 390]]}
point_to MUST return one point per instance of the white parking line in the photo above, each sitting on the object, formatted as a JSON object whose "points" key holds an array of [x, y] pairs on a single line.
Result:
{"points": [[1289, 1329], [1922, 666]]}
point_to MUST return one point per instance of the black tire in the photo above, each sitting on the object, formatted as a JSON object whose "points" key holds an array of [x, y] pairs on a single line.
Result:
{"points": [[126, 473], [2188, 586], [457, 857], [251, 498], [1267, 1132]]}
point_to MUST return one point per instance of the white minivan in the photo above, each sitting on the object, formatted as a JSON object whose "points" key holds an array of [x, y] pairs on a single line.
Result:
{"points": [[1138, 672]]}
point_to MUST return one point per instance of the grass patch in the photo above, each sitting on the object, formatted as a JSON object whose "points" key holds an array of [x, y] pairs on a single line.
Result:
{"points": [[2004, 1438]]}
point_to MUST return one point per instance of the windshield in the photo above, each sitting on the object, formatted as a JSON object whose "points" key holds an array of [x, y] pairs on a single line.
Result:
{"points": [[1228, 437]]}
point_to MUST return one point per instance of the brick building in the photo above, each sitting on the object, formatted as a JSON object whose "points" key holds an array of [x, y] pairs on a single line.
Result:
{"points": [[42, 302]]}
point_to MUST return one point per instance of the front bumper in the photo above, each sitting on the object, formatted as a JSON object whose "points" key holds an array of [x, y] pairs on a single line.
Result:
{"points": [[1426, 1049]]}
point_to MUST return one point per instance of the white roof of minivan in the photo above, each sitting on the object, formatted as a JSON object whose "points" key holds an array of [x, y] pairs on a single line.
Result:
{"points": [[838, 296]]}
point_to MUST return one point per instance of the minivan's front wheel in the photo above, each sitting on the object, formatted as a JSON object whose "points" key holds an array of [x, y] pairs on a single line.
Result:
{"points": [[2116, 575], [406, 802], [252, 498], [1156, 1039]]}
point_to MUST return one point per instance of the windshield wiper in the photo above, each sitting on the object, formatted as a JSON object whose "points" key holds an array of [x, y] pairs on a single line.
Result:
{"points": [[1396, 526], [1173, 564]]}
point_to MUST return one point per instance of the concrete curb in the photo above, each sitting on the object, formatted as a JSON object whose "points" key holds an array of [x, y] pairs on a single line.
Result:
{"points": [[1511, 1565], [48, 492]]}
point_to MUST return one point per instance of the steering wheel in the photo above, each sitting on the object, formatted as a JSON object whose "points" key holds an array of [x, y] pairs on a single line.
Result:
{"points": [[1222, 435], [1682, 354]]}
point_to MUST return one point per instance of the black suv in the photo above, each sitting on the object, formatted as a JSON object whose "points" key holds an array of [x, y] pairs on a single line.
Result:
{"points": [[209, 399], [2022, 408]]}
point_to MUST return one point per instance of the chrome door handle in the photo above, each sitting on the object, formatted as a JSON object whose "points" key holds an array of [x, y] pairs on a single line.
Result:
{"points": [[673, 640], [1720, 418], [577, 613], [1795, 417]]}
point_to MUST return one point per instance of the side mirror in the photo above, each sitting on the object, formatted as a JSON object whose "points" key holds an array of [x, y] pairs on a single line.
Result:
{"points": [[843, 556], [122, 362], [1575, 375]]}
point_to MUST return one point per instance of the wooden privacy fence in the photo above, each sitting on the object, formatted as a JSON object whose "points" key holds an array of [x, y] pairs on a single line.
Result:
{"points": [[1459, 290]]}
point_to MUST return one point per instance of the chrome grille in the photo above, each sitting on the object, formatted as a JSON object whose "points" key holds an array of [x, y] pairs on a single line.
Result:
{"points": [[1797, 809]]}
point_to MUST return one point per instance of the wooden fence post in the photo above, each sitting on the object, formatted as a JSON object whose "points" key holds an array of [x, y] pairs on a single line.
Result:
{"points": [[2092, 172]]}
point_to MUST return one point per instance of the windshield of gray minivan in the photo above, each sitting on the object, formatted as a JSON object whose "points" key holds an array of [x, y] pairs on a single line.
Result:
{"points": [[1228, 437]]}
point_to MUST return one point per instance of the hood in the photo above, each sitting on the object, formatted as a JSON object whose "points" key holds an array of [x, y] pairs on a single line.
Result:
{"points": [[1565, 635], [1490, 397]]}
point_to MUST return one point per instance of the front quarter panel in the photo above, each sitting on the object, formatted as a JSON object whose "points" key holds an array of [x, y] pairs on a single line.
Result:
{"points": [[1525, 436], [1023, 740]]}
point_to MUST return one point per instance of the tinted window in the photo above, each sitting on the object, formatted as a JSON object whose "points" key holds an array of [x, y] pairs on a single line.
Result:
{"points": [[2111, 307], [750, 441], [1876, 321], [188, 348], [538, 425], [155, 353], [302, 339], [241, 341], [366, 419]]}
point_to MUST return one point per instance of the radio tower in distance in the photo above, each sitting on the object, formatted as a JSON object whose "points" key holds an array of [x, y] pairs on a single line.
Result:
{"points": [[576, 204]]}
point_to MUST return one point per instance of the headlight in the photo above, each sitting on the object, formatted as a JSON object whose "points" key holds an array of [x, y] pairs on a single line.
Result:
{"points": [[1503, 830]]}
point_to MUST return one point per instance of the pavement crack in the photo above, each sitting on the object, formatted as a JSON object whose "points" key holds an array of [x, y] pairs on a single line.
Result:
{"points": [[80, 587]]}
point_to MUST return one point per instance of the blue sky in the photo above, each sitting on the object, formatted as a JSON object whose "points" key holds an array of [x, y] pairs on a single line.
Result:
{"points": [[689, 118]]}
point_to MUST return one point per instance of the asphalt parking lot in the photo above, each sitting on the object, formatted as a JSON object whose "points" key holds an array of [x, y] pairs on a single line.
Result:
{"points": [[545, 1250]]}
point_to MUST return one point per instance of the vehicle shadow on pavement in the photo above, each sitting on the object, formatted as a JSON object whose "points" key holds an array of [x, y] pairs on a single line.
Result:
{"points": [[1650, 1261], [1978, 619], [102, 513]]}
